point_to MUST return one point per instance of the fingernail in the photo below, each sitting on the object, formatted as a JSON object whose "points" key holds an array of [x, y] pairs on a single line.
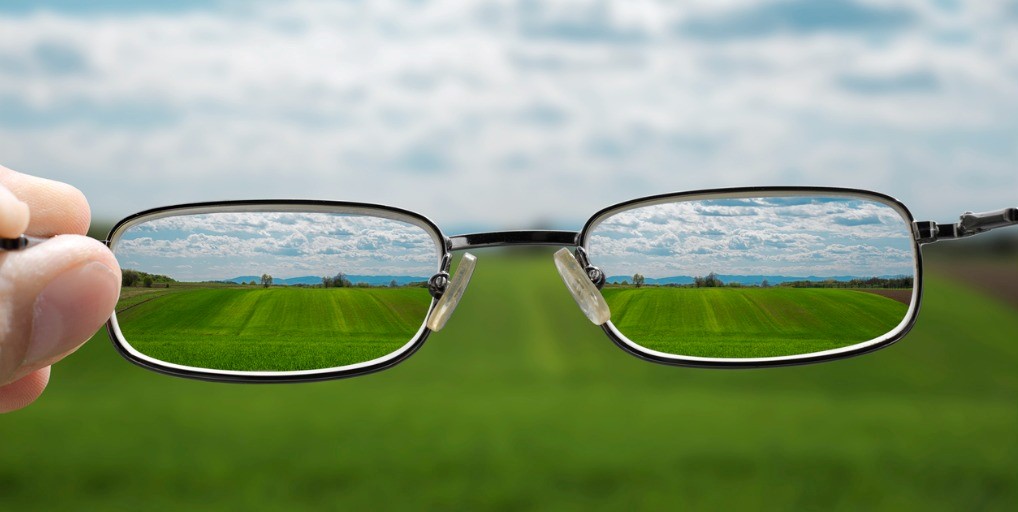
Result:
{"points": [[70, 310]]}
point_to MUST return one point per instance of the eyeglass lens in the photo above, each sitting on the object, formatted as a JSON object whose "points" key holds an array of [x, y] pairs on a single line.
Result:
{"points": [[756, 277], [273, 291]]}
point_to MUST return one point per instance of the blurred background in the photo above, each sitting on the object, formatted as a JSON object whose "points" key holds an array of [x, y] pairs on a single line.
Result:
{"points": [[509, 114]]}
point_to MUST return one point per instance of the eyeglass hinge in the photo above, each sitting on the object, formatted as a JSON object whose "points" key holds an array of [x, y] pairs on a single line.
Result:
{"points": [[969, 224], [595, 274], [440, 281]]}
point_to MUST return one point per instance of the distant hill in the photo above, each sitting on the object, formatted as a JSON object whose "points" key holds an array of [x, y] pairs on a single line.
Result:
{"points": [[743, 280], [312, 280]]}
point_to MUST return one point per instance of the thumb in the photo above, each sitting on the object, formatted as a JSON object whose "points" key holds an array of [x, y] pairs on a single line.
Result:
{"points": [[53, 297]]}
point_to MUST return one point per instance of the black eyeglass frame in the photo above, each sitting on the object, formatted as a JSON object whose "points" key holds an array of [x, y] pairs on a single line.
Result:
{"points": [[923, 233], [124, 348], [857, 349]]}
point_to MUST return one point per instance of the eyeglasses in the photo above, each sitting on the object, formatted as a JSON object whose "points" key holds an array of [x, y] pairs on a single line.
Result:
{"points": [[285, 291]]}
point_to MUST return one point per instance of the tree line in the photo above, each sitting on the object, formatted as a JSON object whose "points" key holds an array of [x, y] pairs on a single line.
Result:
{"points": [[873, 282], [713, 280], [129, 277], [339, 281], [709, 281]]}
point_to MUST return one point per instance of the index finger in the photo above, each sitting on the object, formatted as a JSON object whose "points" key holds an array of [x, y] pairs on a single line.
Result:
{"points": [[56, 208]]}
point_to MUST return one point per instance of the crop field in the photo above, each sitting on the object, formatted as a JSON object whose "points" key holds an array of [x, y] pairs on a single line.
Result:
{"points": [[520, 403], [270, 329], [750, 322]]}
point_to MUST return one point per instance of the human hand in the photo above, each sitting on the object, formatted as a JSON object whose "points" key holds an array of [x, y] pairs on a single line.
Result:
{"points": [[53, 296]]}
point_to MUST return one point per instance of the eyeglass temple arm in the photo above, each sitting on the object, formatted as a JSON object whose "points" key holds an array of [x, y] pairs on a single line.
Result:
{"points": [[21, 242], [970, 224]]}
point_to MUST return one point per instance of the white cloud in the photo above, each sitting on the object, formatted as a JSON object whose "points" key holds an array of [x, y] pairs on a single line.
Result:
{"points": [[497, 113], [225, 245], [818, 238]]}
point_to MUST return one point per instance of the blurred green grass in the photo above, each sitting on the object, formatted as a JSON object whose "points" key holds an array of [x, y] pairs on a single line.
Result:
{"points": [[521, 404]]}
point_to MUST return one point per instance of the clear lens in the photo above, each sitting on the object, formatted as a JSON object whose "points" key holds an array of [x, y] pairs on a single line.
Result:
{"points": [[738, 277], [273, 291]]}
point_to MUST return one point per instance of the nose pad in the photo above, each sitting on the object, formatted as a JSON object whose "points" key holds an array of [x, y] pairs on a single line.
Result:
{"points": [[453, 293], [587, 296]]}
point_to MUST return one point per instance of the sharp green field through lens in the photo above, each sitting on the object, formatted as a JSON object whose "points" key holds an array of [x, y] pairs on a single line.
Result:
{"points": [[750, 275], [273, 291], [752, 322], [274, 329]]}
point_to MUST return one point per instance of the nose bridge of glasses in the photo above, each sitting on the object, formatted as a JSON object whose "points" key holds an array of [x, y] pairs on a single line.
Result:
{"points": [[509, 238], [583, 285]]}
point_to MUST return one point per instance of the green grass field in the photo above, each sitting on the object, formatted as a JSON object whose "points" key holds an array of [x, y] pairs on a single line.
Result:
{"points": [[750, 322], [270, 329], [522, 404]]}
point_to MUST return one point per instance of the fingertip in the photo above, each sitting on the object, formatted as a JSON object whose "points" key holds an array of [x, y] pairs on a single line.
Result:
{"points": [[24, 391], [14, 214], [80, 211], [56, 207]]}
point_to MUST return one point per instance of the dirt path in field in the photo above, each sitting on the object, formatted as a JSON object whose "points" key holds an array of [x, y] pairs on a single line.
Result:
{"points": [[902, 296], [132, 306], [997, 279]]}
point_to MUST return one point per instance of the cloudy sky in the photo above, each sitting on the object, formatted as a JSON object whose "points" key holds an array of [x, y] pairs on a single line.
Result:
{"points": [[778, 236], [220, 246], [511, 113]]}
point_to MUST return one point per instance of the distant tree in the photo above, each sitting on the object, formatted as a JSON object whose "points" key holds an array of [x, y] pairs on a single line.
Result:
{"points": [[253, 283], [337, 281], [711, 281], [765, 284], [266, 280], [148, 281], [638, 280], [129, 277], [625, 282], [393, 284]]}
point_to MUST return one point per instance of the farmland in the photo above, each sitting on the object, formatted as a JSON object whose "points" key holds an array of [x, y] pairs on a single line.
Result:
{"points": [[750, 322], [520, 403], [270, 329]]}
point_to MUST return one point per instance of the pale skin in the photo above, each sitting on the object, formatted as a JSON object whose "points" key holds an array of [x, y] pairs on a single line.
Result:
{"points": [[54, 296]]}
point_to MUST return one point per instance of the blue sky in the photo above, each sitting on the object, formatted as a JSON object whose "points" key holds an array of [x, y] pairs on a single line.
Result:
{"points": [[511, 113], [795, 237], [220, 246]]}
